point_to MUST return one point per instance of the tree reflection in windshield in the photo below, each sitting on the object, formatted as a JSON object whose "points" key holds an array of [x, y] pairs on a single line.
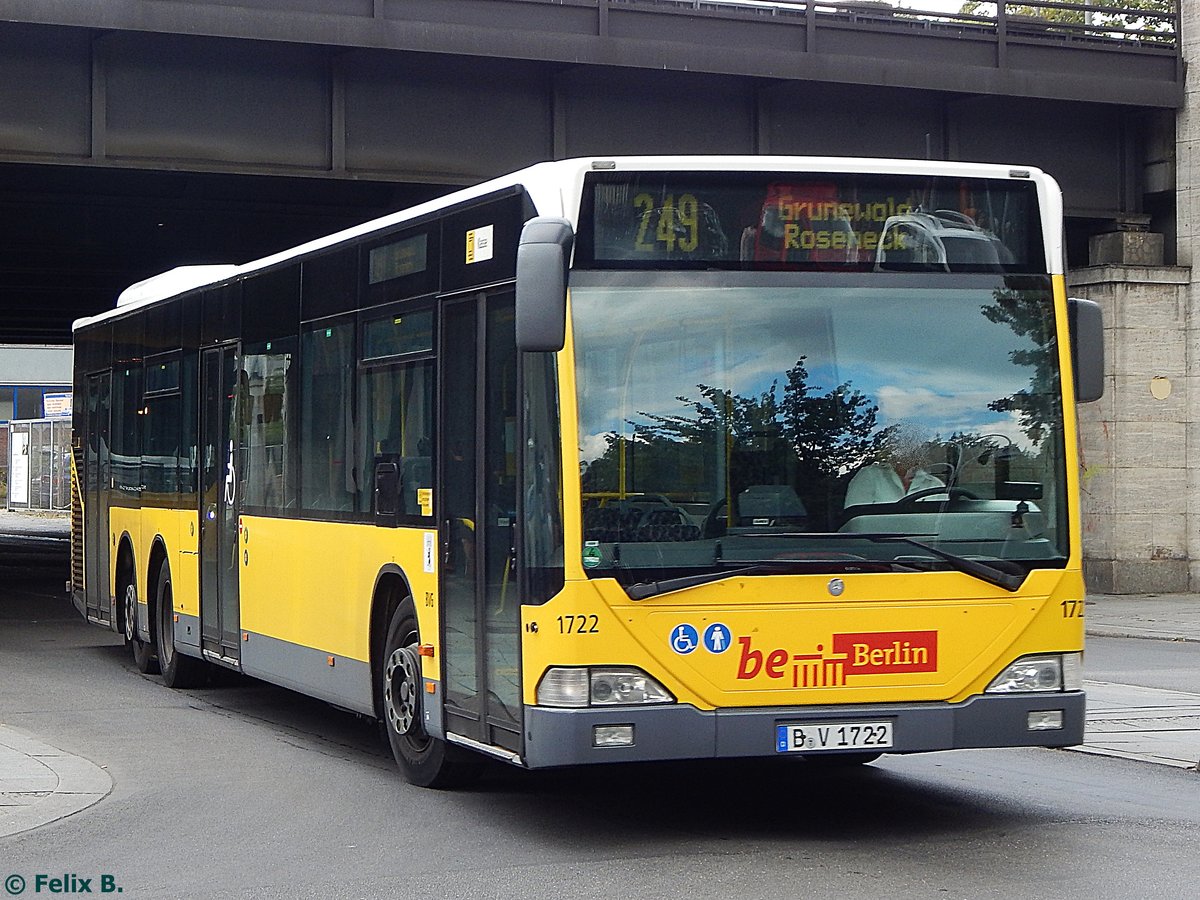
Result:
{"points": [[802, 435], [710, 414], [1030, 317]]}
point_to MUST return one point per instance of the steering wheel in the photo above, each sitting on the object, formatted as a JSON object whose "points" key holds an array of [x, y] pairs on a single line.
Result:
{"points": [[933, 492]]}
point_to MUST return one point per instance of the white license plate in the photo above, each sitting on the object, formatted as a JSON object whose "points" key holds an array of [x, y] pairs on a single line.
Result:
{"points": [[815, 737]]}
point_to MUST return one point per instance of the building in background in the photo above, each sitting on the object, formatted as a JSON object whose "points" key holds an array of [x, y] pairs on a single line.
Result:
{"points": [[35, 384], [30, 372]]}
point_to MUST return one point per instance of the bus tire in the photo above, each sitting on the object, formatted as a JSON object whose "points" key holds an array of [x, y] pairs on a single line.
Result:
{"points": [[143, 651], [178, 671], [425, 761]]}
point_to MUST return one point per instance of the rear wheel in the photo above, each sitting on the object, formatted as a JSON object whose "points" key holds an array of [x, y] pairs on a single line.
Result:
{"points": [[425, 761], [143, 651], [178, 671]]}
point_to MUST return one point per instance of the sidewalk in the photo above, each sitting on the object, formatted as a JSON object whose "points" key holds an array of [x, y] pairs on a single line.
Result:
{"points": [[35, 523], [41, 784], [1166, 617], [1135, 722]]}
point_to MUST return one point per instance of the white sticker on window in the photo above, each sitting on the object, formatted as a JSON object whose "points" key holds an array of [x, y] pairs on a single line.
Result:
{"points": [[479, 244], [430, 546]]}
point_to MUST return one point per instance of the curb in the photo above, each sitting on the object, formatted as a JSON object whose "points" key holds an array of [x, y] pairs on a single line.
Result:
{"points": [[40, 784], [1142, 634]]}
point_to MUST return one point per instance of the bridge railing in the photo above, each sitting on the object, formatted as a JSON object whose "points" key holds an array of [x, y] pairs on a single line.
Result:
{"points": [[1153, 22], [1120, 52]]}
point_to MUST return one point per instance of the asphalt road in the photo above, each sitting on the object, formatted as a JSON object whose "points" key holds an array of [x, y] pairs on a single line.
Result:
{"points": [[246, 790], [1172, 665]]}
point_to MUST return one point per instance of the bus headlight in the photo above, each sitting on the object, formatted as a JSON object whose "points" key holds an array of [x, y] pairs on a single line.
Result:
{"points": [[1042, 673], [599, 686], [563, 687], [1072, 671], [619, 686]]}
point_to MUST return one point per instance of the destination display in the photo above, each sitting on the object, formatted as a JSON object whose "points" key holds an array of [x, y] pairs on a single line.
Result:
{"points": [[398, 259], [809, 221]]}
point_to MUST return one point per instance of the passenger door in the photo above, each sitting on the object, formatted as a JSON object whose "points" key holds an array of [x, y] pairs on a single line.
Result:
{"points": [[480, 603], [220, 415], [98, 477]]}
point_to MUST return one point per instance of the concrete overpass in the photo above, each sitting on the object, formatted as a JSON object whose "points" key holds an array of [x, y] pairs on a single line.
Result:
{"points": [[140, 134]]}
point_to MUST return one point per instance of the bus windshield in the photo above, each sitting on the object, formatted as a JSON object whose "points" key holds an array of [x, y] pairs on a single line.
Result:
{"points": [[799, 422]]}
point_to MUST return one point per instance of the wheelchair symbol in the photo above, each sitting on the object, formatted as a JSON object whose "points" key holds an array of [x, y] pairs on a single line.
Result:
{"points": [[684, 639]]}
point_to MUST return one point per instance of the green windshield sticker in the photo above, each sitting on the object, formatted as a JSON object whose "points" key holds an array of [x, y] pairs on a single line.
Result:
{"points": [[591, 557]]}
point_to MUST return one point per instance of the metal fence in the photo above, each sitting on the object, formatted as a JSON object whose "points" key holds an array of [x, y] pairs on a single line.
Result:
{"points": [[1151, 21], [39, 464]]}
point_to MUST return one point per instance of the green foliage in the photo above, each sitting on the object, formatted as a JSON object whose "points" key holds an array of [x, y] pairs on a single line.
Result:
{"points": [[797, 432], [1029, 316], [828, 432], [1146, 16]]}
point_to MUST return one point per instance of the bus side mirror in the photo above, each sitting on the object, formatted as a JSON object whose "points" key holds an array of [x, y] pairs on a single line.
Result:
{"points": [[1086, 323], [542, 259]]}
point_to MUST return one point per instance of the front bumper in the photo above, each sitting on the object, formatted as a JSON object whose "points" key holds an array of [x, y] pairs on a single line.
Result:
{"points": [[563, 737]]}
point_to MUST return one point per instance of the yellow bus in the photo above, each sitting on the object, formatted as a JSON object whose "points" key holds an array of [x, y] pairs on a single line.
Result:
{"points": [[615, 460]]}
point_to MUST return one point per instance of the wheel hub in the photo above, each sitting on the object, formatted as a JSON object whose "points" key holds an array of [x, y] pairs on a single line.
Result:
{"points": [[402, 690], [167, 644], [130, 612]]}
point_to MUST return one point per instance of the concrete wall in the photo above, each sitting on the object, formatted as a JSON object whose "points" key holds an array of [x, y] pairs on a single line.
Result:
{"points": [[1140, 465], [1141, 529], [35, 364]]}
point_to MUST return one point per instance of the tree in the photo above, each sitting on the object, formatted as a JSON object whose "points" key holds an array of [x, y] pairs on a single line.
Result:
{"points": [[1153, 16], [831, 432], [802, 435], [1030, 316]]}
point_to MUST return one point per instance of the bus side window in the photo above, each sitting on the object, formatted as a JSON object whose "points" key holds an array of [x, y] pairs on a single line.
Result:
{"points": [[126, 430], [396, 418], [268, 432], [327, 477]]}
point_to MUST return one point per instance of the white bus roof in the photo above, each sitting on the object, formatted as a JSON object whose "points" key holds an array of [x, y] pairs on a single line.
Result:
{"points": [[556, 188]]}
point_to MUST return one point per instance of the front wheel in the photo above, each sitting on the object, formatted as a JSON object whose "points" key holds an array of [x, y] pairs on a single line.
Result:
{"points": [[425, 761], [178, 671], [143, 651]]}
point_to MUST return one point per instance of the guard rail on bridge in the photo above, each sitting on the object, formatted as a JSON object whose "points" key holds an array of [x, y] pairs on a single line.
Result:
{"points": [[1104, 51], [1156, 21]]}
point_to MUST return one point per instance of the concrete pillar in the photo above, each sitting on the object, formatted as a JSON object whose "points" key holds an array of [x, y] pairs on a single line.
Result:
{"points": [[1187, 213], [1141, 443], [1187, 140], [1140, 530]]}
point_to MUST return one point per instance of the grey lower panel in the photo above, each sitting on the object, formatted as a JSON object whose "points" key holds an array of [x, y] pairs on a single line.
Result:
{"points": [[111, 622], [431, 709], [347, 683], [143, 620], [563, 737], [187, 634]]}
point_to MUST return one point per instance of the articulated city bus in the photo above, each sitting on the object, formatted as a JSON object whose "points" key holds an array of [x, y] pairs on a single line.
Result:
{"points": [[615, 460]]}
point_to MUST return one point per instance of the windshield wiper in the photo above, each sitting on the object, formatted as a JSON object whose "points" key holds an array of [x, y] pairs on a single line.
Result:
{"points": [[973, 567], [646, 589]]}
